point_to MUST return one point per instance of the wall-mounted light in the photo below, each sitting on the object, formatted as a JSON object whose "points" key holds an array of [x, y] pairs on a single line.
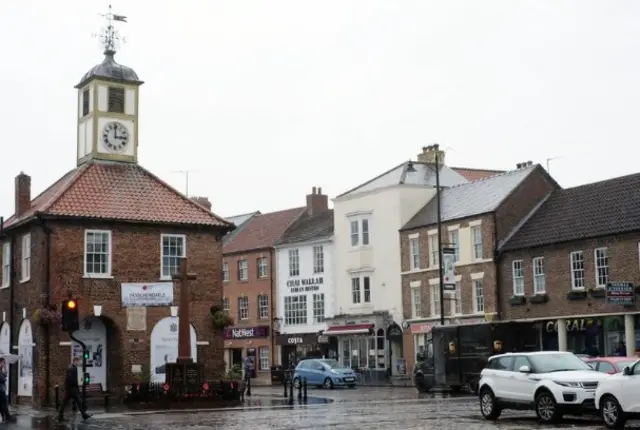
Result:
{"points": [[97, 310], [174, 311], [24, 313]]}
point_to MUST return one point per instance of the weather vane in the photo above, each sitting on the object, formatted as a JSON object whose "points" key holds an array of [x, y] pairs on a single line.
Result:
{"points": [[109, 36]]}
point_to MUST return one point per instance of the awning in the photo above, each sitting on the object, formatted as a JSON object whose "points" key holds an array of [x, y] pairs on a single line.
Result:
{"points": [[342, 330]]}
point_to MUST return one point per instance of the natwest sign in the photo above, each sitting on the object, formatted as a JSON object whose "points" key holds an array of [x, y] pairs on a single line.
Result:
{"points": [[246, 332]]}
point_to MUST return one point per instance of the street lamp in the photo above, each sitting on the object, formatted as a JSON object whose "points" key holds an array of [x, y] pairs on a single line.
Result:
{"points": [[439, 227]]}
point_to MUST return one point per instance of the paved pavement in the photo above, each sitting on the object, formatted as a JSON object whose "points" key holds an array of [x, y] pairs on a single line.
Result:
{"points": [[370, 408]]}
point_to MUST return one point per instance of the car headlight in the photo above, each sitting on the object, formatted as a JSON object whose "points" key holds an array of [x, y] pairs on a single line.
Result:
{"points": [[569, 384]]}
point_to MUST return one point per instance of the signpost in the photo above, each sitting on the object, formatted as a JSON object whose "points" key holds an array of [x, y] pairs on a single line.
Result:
{"points": [[620, 293]]}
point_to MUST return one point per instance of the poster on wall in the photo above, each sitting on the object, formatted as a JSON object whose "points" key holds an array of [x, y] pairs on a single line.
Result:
{"points": [[93, 333], [5, 348], [25, 365], [164, 346]]}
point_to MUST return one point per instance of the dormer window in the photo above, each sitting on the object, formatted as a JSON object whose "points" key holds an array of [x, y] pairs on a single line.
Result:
{"points": [[85, 102], [116, 99]]}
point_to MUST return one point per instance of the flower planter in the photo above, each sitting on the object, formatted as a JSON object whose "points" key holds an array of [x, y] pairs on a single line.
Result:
{"points": [[518, 300], [577, 295], [539, 299], [597, 293]]}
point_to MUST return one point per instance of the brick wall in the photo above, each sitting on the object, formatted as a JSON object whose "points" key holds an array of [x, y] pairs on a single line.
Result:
{"points": [[623, 267], [135, 258]]}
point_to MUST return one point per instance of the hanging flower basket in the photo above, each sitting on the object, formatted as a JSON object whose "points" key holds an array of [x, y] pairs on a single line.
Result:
{"points": [[221, 318], [47, 316]]}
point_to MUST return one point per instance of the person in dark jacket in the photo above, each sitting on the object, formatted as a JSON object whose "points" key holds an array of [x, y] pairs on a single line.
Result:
{"points": [[4, 401], [72, 391]]}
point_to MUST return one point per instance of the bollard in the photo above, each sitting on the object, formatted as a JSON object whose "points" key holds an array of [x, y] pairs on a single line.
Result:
{"points": [[291, 391], [300, 389], [304, 389], [249, 386], [284, 382], [56, 396]]}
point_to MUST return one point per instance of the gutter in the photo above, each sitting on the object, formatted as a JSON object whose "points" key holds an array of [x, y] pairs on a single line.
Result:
{"points": [[46, 302]]}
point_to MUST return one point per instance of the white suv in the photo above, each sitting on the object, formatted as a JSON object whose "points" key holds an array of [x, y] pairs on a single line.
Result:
{"points": [[550, 382], [617, 397]]}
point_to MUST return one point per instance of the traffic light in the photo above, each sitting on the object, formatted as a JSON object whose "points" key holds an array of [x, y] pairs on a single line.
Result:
{"points": [[85, 355], [70, 318], [86, 378]]}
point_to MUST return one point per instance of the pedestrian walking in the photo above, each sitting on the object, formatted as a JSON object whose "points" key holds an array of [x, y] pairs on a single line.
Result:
{"points": [[4, 400], [248, 367], [72, 391]]}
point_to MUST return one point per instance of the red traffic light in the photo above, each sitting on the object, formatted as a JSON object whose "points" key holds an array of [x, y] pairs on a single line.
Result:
{"points": [[71, 304]]}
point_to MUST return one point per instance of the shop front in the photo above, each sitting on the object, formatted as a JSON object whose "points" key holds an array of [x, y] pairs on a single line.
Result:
{"points": [[254, 342], [294, 347], [363, 345]]}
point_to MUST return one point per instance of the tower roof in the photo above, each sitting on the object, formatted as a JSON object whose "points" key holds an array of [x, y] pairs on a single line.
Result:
{"points": [[111, 71]]}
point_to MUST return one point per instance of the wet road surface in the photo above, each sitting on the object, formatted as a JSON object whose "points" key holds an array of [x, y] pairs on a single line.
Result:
{"points": [[370, 408]]}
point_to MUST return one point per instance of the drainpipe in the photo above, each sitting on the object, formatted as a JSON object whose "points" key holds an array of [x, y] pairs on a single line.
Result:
{"points": [[272, 255], [496, 261], [46, 302], [12, 305]]}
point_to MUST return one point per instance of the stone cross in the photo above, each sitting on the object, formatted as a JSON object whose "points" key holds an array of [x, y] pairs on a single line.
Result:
{"points": [[184, 319]]}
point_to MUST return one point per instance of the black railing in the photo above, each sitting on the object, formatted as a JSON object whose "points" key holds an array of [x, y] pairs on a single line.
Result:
{"points": [[153, 392]]}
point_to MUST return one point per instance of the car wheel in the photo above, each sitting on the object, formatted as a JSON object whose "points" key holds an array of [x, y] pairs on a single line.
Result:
{"points": [[328, 383], [296, 382], [612, 413], [490, 410], [547, 408]]}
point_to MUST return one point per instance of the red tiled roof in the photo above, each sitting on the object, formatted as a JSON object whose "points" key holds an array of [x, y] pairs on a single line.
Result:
{"points": [[475, 174], [118, 191], [262, 231]]}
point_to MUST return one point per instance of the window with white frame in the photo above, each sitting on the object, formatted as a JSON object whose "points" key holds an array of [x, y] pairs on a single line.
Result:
{"points": [[174, 247], [602, 267], [435, 300], [517, 269], [577, 270], [226, 306], [366, 287], [261, 266], [414, 249], [243, 308], [26, 257], [454, 236], [243, 270], [478, 296], [263, 356], [456, 306], [295, 310], [225, 271], [318, 259], [539, 280], [318, 308], [476, 237], [416, 303], [97, 253], [294, 262], [263, 306], [6, 264], [434, 251], [359, 231], [361, 289], [356, 294]]}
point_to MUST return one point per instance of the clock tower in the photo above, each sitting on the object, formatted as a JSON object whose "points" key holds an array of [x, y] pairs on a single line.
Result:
{"points": [[108, 106]]}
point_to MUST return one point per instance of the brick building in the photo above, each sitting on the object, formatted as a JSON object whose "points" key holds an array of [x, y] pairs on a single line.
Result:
{"points": [[110, 233], [476, 217], [249, 288], [556, 267]]}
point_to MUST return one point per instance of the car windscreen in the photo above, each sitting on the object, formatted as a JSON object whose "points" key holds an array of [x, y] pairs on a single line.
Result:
{"points": [[547, 363], [624, 363], [333, 364]]}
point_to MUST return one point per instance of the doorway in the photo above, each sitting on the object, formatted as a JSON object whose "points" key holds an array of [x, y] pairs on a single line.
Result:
{"points": [[289, 356], [236, 357]]}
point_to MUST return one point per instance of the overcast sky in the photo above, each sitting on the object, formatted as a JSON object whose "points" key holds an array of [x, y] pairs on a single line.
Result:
{"points": [[262, 100]]}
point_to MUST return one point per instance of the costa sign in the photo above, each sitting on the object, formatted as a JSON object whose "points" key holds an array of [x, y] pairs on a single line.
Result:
{"points": [[295, 340]]}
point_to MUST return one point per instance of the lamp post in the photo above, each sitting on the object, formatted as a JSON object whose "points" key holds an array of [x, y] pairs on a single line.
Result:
{"points": [[439, 227]]}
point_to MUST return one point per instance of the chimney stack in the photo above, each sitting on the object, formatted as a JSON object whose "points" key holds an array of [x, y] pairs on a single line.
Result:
{"points": [[317, 202], [202, 201], [429, 154], [23, 194]]}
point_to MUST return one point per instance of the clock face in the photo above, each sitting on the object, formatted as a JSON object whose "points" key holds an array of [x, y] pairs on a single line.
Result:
{"points": [[115, 136]]}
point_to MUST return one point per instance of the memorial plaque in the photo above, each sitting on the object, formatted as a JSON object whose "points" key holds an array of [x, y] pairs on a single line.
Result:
{"points": [[185, 378]]}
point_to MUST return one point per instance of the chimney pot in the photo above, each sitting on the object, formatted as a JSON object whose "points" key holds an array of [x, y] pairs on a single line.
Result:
{"points": [[317, 202], [313, 190], [519, 165], [202, 201], [22, 193], [436, 146], [425, 148], [319, 190], [529, 163]]}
